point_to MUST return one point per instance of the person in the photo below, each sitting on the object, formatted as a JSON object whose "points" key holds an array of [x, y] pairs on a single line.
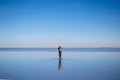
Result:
{"points": [[60, 51]]}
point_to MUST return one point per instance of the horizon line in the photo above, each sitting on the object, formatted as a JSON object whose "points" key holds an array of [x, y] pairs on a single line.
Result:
{"points": [[57, 47]]}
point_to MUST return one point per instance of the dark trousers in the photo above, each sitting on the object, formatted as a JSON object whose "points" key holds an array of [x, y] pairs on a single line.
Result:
{"points": [[60, 54]]}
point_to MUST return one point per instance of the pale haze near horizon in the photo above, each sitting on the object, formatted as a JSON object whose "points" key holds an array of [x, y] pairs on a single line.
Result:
{"points": [[69, 23]]}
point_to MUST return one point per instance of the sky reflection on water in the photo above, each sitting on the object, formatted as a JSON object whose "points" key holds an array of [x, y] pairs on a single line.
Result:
{"points": [[72, 66]]}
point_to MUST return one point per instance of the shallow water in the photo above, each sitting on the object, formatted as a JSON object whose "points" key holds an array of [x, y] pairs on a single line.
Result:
{"points": [[41, 65]]}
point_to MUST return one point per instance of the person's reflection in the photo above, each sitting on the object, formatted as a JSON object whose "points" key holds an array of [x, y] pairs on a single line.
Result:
{"points": [[60, 64]]}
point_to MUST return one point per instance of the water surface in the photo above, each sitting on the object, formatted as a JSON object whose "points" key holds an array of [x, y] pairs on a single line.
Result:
{"points": [[74, 65]]}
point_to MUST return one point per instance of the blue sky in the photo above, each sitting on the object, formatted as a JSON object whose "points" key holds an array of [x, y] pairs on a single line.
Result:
{"points": [[48, 23]]}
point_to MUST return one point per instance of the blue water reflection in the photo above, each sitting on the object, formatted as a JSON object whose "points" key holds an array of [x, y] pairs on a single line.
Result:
{"points": [[72, 66]]}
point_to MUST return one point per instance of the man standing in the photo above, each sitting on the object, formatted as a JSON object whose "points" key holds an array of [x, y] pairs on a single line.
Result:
{"points": [[60, 51]]}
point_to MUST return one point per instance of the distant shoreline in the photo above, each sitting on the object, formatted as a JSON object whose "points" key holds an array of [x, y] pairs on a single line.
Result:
{"points": [[64, 49]]}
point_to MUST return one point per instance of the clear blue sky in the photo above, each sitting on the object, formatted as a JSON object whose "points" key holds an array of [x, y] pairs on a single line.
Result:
{"points": [[48, 23]]}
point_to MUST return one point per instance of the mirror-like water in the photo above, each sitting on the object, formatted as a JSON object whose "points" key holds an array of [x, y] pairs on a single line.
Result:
{"points": [[72, 66]]}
